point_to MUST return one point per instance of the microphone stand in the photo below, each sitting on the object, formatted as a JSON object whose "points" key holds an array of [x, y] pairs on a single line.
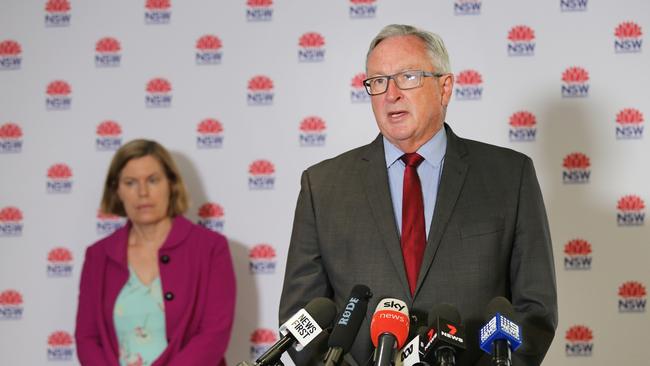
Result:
{"points": [[445, 357], [384, 350], [501, 355], [334, 356]]}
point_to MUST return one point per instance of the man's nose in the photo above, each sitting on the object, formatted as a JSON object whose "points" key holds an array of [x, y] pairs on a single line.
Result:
{"points": [[393, 93]]}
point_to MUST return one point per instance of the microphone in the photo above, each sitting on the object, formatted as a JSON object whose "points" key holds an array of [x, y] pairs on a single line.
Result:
{"points": [[445, 336], [302, 327], [412, 354], [348, 324], [389, 329], [500, 335]]}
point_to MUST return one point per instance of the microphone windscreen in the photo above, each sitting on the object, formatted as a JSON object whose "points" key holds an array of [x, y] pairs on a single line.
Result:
{"points": [[391, 316], [445, 311], [361, 292], [323, 310], [350, 319], [499, 305]]}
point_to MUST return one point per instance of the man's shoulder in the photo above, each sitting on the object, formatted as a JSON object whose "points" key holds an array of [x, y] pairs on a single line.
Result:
{"points": [[348, 159], [483, 151]]}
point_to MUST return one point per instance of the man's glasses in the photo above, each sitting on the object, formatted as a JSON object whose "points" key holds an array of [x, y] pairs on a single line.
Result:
{"points": [[404, 80]]}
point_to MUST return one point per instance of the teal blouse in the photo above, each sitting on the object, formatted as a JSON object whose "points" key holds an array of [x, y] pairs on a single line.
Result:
{"points": [[139, 317]]}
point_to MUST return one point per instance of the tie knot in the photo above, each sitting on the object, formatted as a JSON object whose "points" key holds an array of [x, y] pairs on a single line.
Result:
{"points": [[412, 159]]}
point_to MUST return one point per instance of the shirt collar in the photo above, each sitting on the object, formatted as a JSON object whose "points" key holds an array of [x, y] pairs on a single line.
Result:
{"points": [[433, 151]]}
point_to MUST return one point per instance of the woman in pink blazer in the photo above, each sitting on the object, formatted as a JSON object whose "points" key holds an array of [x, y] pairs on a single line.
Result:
{"points": [[183, 270]]}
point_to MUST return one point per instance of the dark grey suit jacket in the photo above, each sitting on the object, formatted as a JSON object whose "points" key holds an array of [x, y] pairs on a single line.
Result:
{"points": [[489, 237]]}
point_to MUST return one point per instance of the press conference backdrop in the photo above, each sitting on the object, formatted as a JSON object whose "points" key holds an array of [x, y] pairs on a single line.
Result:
{"points": [[247, 94]]}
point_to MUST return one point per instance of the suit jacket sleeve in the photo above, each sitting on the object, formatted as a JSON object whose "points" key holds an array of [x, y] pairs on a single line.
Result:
{"points": [[305, 275], [90, 349], [532, 272], [208, 346]]}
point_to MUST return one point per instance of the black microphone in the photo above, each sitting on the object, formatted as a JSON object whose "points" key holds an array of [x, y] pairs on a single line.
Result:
{"points": [[445, 336], [348, 324], [500, 335], [302, 327]]}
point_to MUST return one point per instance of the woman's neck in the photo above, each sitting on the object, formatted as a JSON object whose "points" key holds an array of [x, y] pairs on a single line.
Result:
{"points": [[152, 235]]}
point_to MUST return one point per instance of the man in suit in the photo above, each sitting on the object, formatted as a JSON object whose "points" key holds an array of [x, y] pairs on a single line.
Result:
{"points": [[480, 206]]}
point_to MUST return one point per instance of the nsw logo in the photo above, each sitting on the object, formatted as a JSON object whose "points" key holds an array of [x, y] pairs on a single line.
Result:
{"points": [[573, 5], [467, 7], [261, 175], [11, 138], [632, 297], [311, 47], [468, 85], [11, 305], [261, 340], [575, 83], [521, 41], [579, 341], [628, 38], [259, 10], [522, 126], [11, 221], [629, 124], [312, 131], [57, 13], [108, 223], [157, 12], [260, 90], [578, 255], [210, 134], [10, 58], [576, 168], [363, 9], [158, 93], [262, 259], [109, 136], [358, 92], [108, 52], [208, 50], [631, 211], [59, 346], [59, 179], [59, 263], [211, 216], [58, 96]]}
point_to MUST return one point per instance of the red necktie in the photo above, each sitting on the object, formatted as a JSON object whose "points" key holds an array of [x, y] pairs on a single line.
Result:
{"points": [[413, 232]]}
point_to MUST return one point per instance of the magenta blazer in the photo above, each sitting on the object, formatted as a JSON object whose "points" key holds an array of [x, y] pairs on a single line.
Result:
{"points": [[198, 284]]}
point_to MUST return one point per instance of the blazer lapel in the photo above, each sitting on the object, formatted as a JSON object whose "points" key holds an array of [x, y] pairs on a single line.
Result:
{"points": [[451, 183], [378, 193]]}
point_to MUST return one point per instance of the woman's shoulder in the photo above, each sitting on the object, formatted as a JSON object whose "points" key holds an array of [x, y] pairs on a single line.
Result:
{"points": [[202, 235], [208, 236], [99, 248]]}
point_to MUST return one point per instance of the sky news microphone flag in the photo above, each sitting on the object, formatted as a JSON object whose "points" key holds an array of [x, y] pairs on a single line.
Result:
{"points": [[389, 329], [248, 93]]}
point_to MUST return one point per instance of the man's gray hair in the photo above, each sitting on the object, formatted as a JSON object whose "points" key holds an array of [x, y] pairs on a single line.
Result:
{"points": [[433, 43]]}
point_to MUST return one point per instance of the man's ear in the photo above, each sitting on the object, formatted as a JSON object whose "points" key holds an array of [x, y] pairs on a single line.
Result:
{"points": [[446, 88]]}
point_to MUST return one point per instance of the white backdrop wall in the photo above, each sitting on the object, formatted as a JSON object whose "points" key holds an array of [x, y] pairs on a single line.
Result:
{"points": [[565, 82]]}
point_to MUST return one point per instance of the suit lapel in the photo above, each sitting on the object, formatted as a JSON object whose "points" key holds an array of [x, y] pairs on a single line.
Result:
{"points": [[451, 182], [378, 193]]}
